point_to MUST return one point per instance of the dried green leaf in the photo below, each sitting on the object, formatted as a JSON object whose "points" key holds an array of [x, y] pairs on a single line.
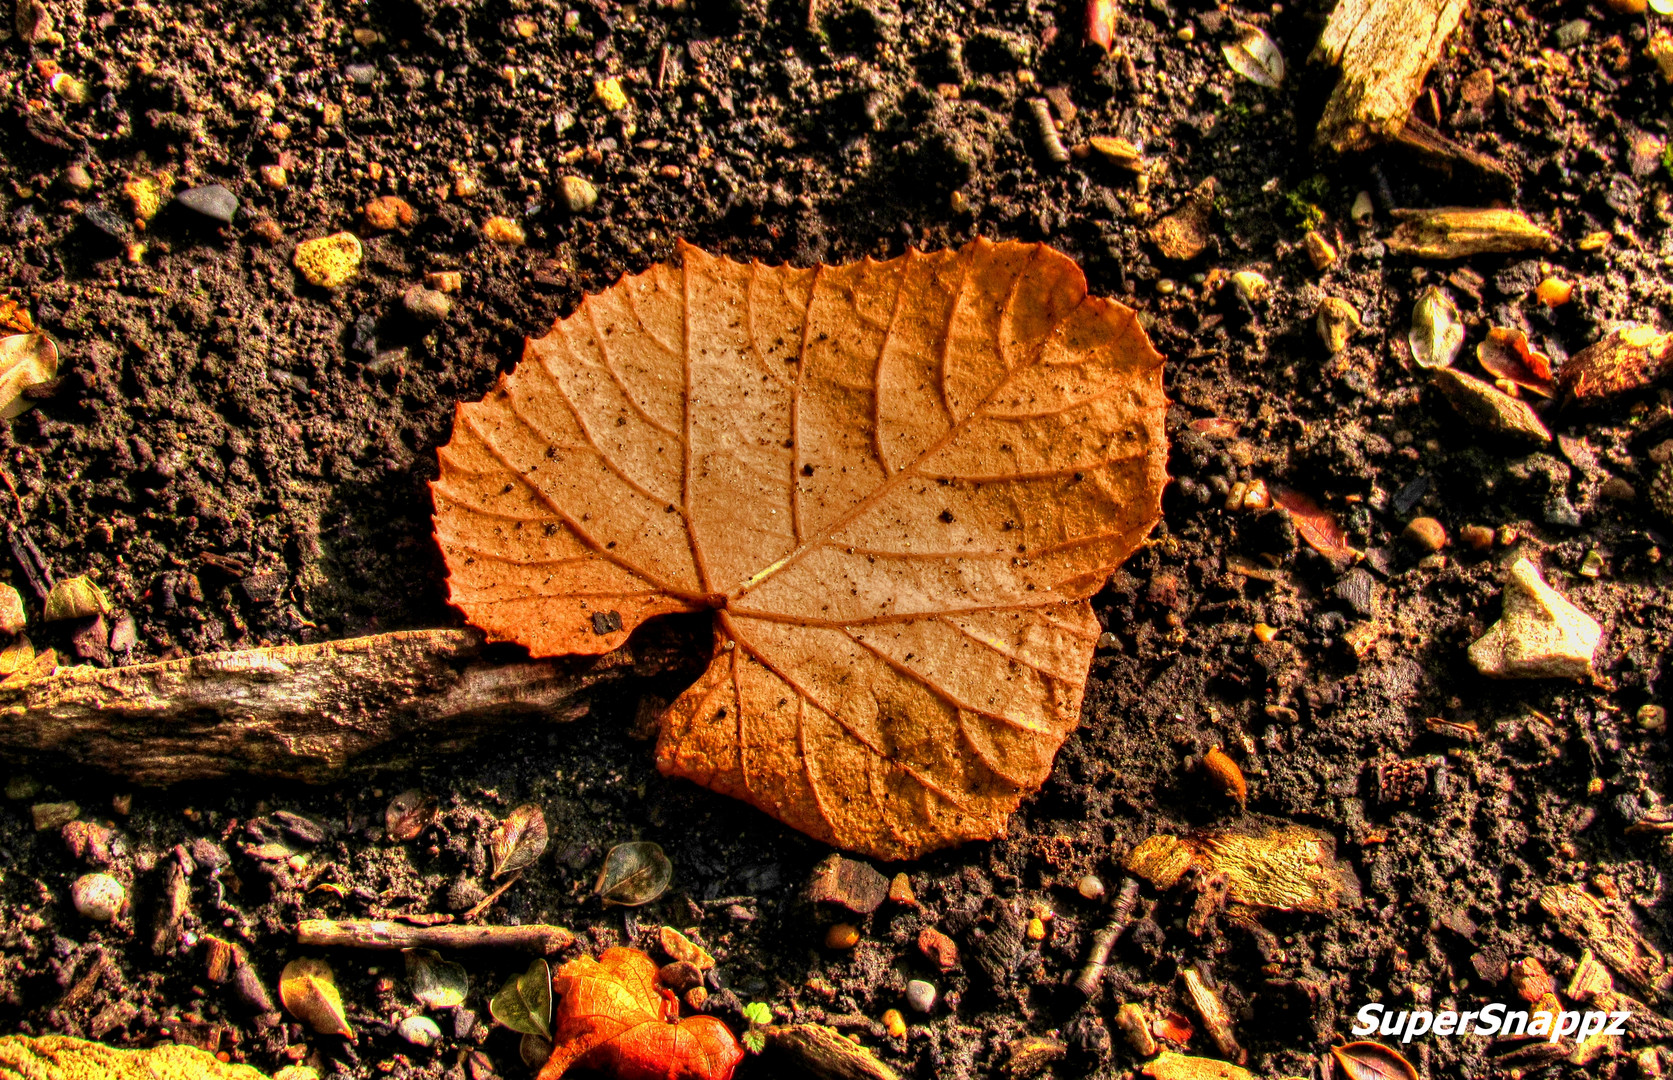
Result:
{"points": [[1256, 57], [634, 873], [535, 1049], [409, 814], [25, 360], [308, 991], [1437, 331], [519, 840], [436, 983], [525, 1003]]}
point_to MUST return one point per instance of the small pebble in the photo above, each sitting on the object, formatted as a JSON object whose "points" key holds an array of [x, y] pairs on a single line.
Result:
{"points": [[420, 1031], [1425, 533], [1251, 286], [895, 1023], [1652, 717], [502, 230], [426, 305], [900, 891], [445, 281], [842, 936], [579, 195], [697, 997], [274, 176], [1554, 292], [1320, 250], [920, 995], [78, 179], [106, 221], [213, 201], [388, 212], [1091, 887], [98, 897], [610, 94], [1573, 33], [1476, 537], [1036, 929], [360, 74], [12, 617], [329, 261], [1336, 321], [70, 88]]}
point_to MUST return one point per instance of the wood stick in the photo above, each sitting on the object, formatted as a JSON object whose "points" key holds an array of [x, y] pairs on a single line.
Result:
{"points": [[1385, 49], [381, 934], [292, 711]]}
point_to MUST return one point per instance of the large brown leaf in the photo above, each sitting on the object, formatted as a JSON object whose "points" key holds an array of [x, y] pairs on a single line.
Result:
{"points": [[895, 483]]}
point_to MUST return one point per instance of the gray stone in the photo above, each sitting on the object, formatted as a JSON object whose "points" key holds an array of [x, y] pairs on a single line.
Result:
{"points": [[578, 194], [211, 200], [920, 995]]}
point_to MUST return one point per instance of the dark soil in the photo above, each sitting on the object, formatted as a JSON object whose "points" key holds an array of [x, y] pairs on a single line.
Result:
{"points": [[242, 459]]}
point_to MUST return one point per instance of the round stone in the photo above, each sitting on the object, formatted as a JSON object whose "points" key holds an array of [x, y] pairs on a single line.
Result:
{"points": [[426, 305], [1090, 887], [578, 194], [920, 995], [1426, 534], [98, 897]]}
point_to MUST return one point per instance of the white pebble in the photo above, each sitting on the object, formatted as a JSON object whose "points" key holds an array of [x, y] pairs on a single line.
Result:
{"points": [[420, 1031], [98, 896], [920, 995], [1090, 887]]}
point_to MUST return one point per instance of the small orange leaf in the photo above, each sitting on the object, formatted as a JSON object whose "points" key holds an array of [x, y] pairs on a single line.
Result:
{"points": [[308, 991], [1372, 1061], [1316, 525], [1506, 355], [613, 1016], [1173, 1028], [14, 316], [1100, 23], [894, 484]]}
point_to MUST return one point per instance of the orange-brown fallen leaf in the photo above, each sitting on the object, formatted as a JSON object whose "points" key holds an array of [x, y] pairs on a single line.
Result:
{"points": [[613, 1016], [1316, 525], [1507, 355], [895, 483], [1372, 1061], [1627, 359]]}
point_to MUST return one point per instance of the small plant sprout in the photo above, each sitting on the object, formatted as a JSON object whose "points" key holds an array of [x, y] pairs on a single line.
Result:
{"points": [[759, 1016]]}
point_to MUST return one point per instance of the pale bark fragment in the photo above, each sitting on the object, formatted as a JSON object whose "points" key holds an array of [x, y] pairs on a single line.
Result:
{"points": [[383, 934], [291, 711], [1385, 49]]}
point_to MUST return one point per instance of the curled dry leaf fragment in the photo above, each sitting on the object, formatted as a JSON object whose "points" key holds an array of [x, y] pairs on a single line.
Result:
{"points": [[1456, 232], [634, 873], [1287, 867], [1255, 56], [1627, 359], [524, 1003], [25, 360], [1316, 525], [1372, 1061], [518, 840], [1610, 931], [436, 983], [613, 1016], [939, 458], [308, 991], [1437, 331], [1507, 355], [1118, 152], [1216, 1019]]}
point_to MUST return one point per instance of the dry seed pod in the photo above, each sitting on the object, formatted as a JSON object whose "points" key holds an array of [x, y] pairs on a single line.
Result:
{"points": [[308, 990], [1226, 776], [1134, 1023], [1118, 152], [634, 873], [1437, 331], [1255, 57], [1455, 232], [1216, 1020]]}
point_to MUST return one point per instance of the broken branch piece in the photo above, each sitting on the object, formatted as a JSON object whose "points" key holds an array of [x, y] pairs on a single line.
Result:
{"points": [[379, 934], [1385, 49]]}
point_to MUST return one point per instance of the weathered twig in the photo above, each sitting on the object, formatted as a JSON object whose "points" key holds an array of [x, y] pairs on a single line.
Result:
{"points": [[293, 711], [1121, 913], [380, 934], [1385, 49]]}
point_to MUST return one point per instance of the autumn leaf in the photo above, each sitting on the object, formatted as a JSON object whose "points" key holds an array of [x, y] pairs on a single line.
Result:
{"points": [[614, 1017], [1372, 1061], [524, 1003], [895, 484], [1316, 525], [518, 840], [1100, 23]]}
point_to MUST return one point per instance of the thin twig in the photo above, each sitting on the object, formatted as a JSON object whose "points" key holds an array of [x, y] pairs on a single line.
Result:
{"points": [[1121, 913], [382, 934], [488, 901]]}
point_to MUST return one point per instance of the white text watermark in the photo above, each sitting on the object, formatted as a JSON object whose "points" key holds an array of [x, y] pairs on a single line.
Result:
{"points": [[1496, 1019]]}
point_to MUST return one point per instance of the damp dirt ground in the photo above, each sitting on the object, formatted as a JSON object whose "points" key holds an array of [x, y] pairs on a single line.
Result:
{"points": [[240, 458]]}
